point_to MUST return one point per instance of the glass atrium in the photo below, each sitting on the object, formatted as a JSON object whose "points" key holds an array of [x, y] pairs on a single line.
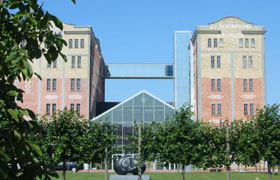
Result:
{"points": [[142, 107]]}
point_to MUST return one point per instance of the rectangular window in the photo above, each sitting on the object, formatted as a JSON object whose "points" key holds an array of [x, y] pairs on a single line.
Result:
{"points": [[54, 63], [245, 88], [78, 109], [78, 84], [76, 43], [48, 84], [241, 43], [219, 109], [253, 44], [73, 62], [213, 107], [48, 109], [54, 108], [213, 88], [49, 65], [250, 63], [209, 42], [215, 42], [82, 43], [246, 43], [169, 70], [218, 61], [251, 86], [212, 61], [219, 84], [54, 85], [72, 84], [70, 44], [221, 43], [252, 109], [72, 107], [244, 62], [245, 109], [79, 62]]}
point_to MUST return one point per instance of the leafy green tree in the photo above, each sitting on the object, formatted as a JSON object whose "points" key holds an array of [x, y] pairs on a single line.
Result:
{"points": [[104, 135], [248, 143], [268, 129], [25, 26], [92, 143], [152, 141], [62, 137], [203, 147], [178, 139]]}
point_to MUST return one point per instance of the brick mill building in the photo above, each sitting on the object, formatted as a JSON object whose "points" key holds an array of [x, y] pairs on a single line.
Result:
{"points": [[76, 84], [229, 70]]}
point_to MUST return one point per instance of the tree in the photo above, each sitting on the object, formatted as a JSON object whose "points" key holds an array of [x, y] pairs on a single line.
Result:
{"points": [[108, 137], [62, 137], [268, 129], [92, 143], [25, 26], [178, 139], [248, 145], [203, 147]]}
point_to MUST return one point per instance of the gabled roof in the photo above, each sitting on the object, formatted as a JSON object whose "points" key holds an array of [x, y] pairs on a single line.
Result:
{"points": [[132, 97], [231, 17]]}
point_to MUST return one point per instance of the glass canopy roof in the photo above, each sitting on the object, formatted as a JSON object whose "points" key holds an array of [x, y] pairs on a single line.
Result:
{"points": [[142, 107]]}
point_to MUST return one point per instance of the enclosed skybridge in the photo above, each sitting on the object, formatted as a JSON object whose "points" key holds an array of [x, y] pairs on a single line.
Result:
{"points": [[138, 71], [179, 70]]}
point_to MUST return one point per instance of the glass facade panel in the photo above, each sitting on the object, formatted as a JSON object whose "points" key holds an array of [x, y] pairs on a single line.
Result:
{"points": [[182, 68], [159, 111], [117, 115], [143, 107], [169, 112], [107, 116], [148, 108], [138, 108], [128, 113]]}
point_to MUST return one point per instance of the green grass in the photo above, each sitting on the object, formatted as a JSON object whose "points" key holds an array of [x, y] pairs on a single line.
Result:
{"points": [[175, 176]]}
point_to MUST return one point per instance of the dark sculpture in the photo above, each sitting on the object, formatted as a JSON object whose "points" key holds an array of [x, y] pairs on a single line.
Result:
{"points": [[127, 164]]}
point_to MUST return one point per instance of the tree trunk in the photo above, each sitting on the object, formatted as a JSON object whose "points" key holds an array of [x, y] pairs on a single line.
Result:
{"points": [[228, 153], [269, 171], [256, 168], [238, 167], [106, 163], [263, 165], [183, 172], [139, 153], [64, 170], [228, 173]]}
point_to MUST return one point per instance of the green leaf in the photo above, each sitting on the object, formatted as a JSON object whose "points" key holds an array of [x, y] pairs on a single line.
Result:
{"points": [[12, 93], [18, 136], [63, 56], [21, 14], [56, 21], [5, 156], [36, 148], [14, 114]]}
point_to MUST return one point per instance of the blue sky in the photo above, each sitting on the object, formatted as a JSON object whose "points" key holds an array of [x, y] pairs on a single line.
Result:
{"points": [[142, 31]]}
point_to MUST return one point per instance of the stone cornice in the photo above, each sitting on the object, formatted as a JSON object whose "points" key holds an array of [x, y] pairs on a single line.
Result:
{"points": [[254, 32], [77, 32], [204, 32]]}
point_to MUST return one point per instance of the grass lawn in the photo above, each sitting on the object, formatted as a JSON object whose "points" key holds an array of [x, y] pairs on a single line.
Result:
{"points": [[175, 176]]}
